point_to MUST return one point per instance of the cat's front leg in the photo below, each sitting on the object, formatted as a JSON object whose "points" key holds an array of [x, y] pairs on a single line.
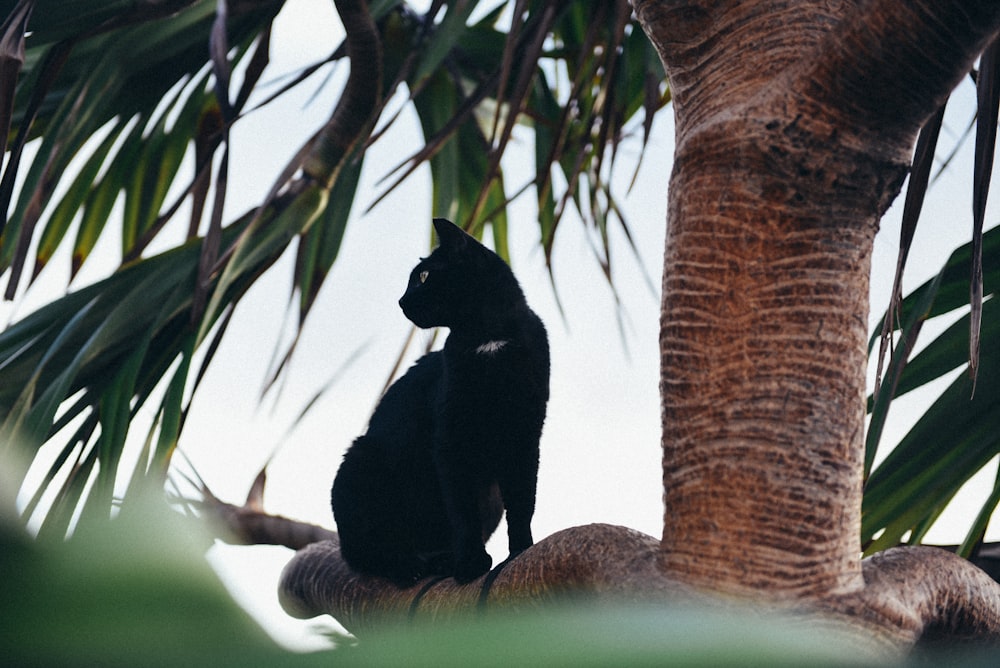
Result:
{"points": [[471, 558], [460, 490], [518, 489]]}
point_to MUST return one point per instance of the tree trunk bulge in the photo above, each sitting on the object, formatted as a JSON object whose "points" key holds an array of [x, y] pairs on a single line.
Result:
{"points": [[795, 124]]}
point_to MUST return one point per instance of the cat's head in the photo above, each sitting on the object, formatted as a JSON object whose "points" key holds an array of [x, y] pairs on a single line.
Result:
{"points": [[461, 284]]}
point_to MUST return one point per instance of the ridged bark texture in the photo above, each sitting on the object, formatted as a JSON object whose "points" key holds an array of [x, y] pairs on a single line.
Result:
{"points": [[794, 133]]}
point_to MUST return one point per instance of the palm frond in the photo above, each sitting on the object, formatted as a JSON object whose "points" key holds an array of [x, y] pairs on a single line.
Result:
{"points": [[923, 160], [111, 137], [117, 77], [988, 93], [958, 435], [12, 39]]}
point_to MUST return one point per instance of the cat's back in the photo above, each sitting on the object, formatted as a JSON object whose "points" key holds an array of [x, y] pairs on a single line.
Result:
{"points": [[404, 415], [534, 347], [527, 358], [505, 377]]}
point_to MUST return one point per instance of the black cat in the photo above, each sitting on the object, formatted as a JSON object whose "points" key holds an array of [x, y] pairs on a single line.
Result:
{"points": [[453, 442]]}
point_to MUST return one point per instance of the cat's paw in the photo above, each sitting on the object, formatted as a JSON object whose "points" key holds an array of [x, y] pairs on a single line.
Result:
{"points": [[470, 566]]}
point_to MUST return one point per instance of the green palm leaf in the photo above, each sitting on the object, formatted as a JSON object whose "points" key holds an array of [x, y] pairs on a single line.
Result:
{"points": [[955, 438], [959, 434], [108, 129]]}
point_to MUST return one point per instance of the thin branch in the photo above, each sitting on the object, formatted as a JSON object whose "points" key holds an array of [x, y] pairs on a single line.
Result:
{"points": [[243, 525]]}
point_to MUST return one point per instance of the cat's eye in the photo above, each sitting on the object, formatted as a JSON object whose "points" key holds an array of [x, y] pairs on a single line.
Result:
{"points": [[423, 276]]}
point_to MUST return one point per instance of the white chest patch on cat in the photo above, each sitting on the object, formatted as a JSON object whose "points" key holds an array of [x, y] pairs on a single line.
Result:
{"points": [[491, 347]]}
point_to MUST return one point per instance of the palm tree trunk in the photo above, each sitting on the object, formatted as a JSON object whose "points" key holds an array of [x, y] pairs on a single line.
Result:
{"points": [[791, 142]]}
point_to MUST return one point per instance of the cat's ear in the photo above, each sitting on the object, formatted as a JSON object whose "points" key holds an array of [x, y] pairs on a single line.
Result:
{"points": [[450, 235]]}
